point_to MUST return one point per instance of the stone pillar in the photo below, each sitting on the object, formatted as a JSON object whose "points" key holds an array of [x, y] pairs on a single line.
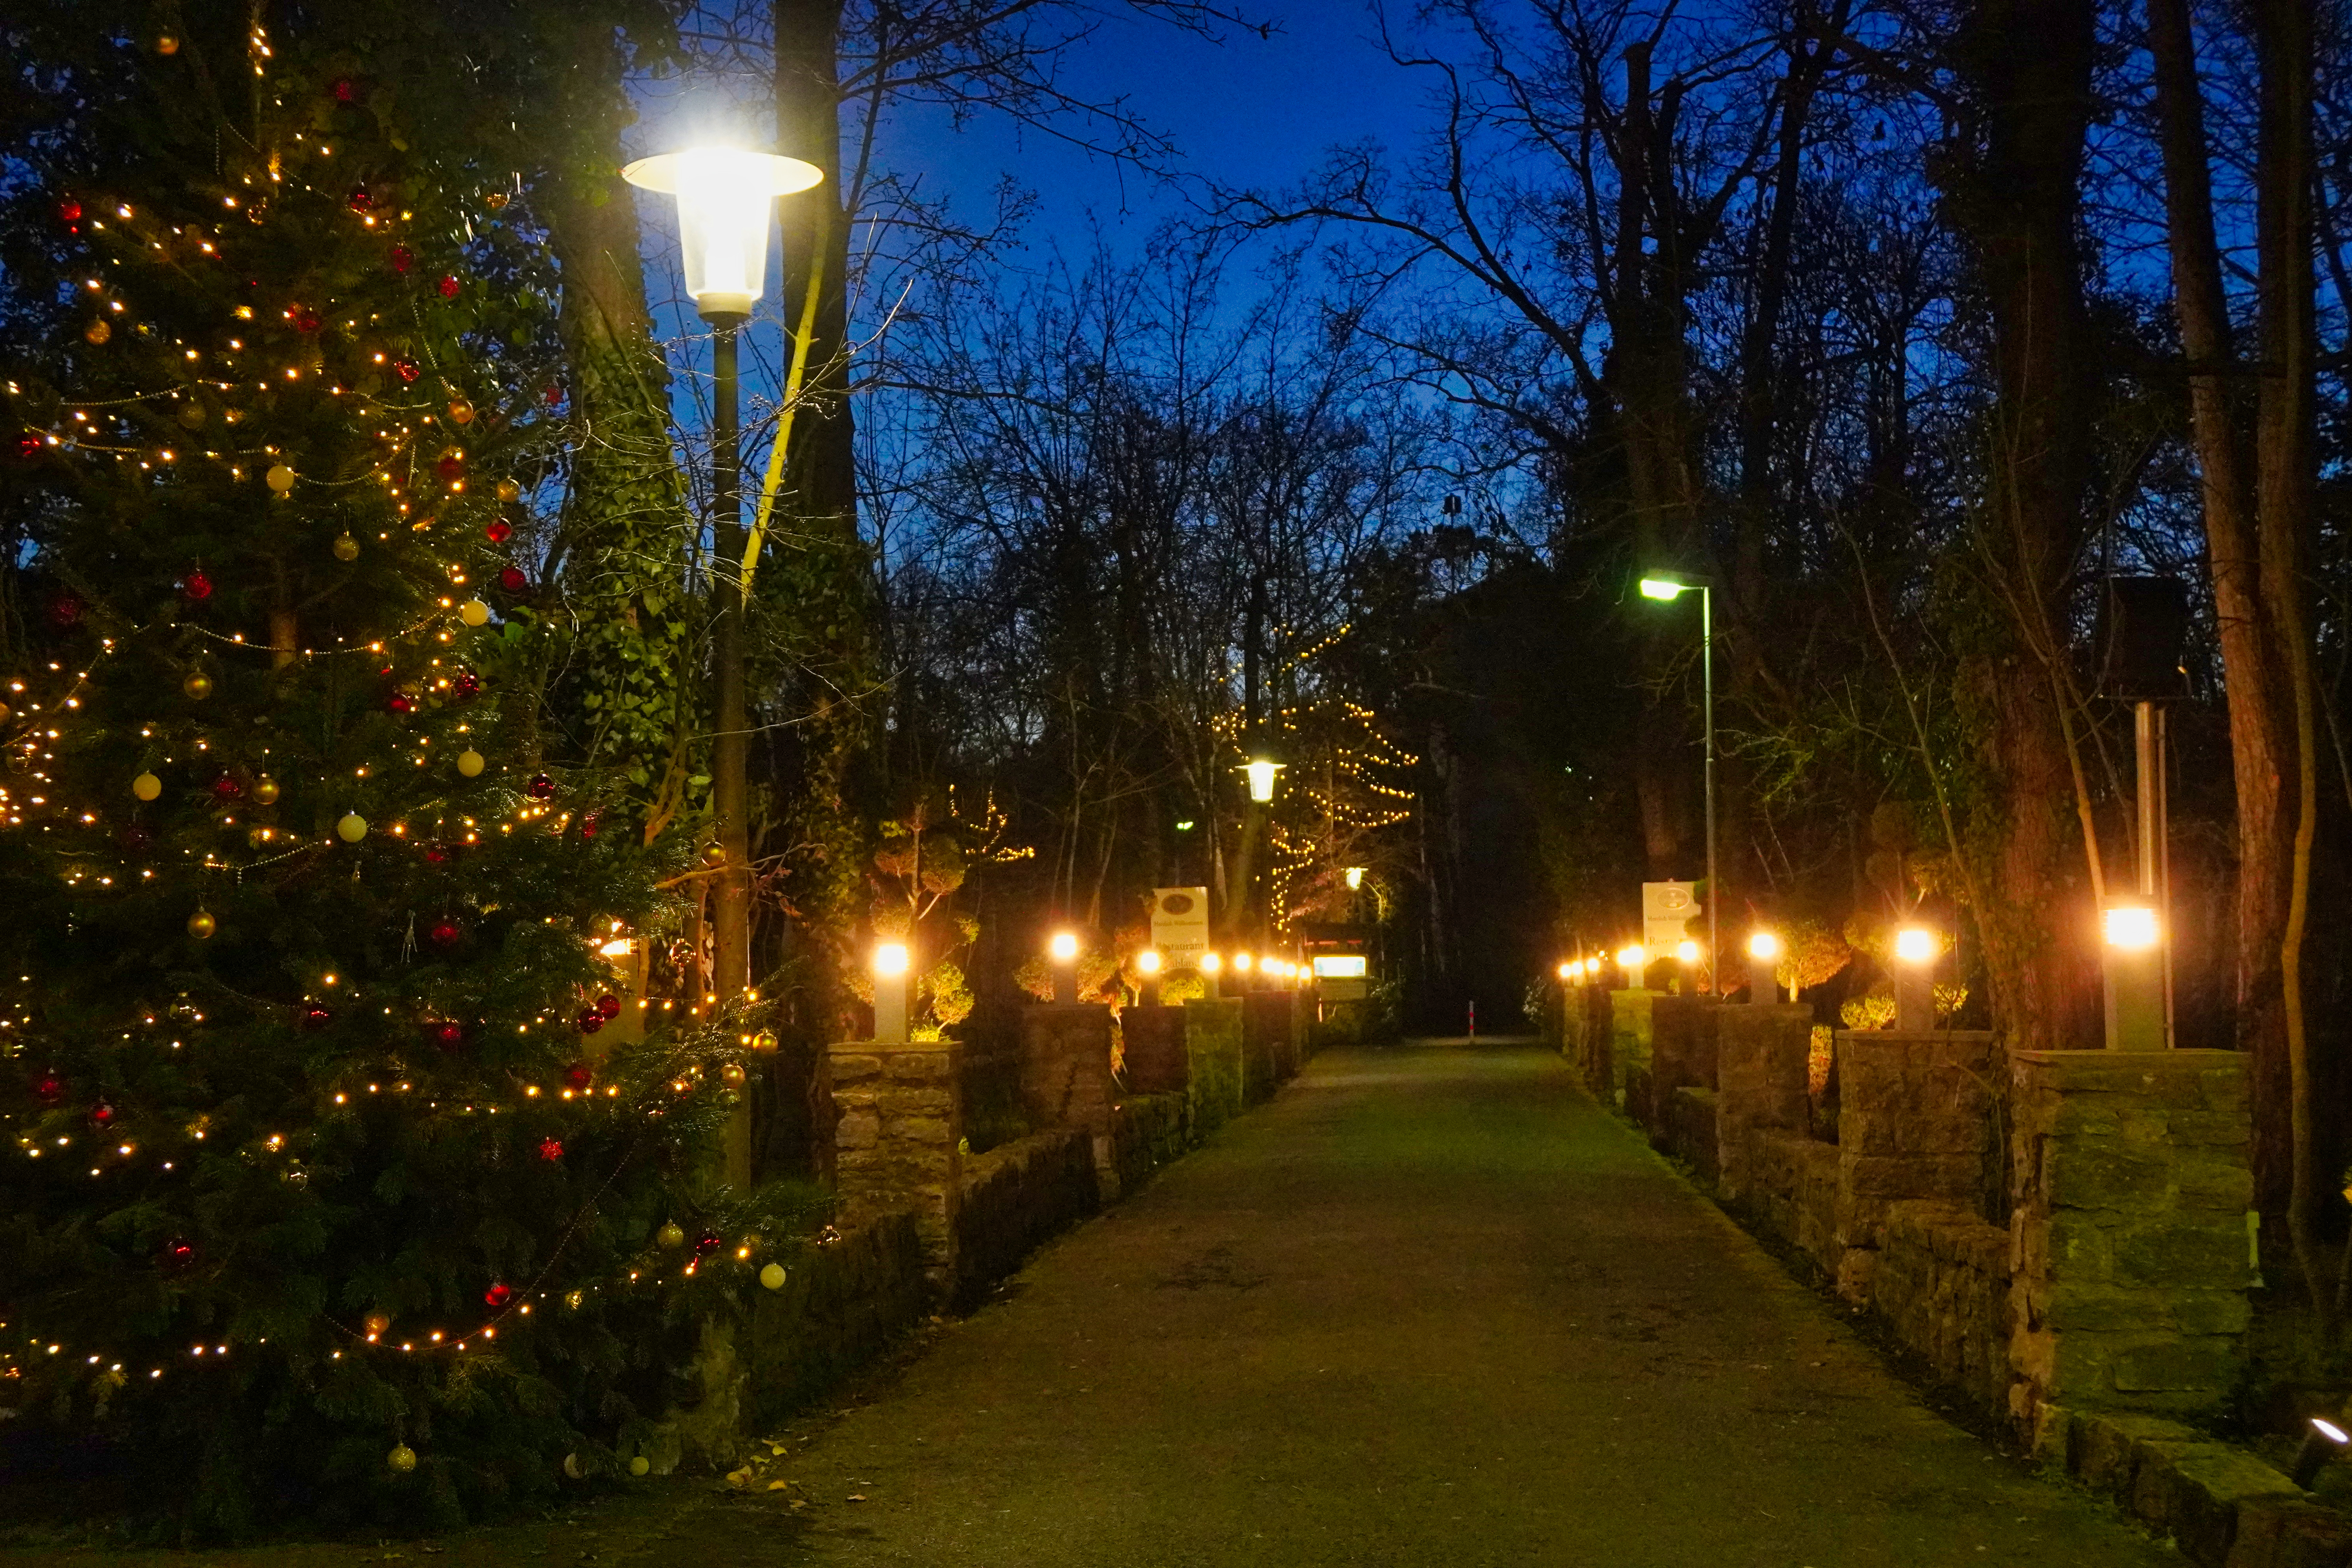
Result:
{"points": [[1598, 1064], [1761, 1085], [1682, 1045], [1213, 1051], [1156, 1058], [1065, 1077], [898, 1140], [1916, 1120], [1629, 1036], [1265, 1041], [2129, 1246]]}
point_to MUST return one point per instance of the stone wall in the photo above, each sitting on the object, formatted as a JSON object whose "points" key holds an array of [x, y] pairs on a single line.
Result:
{"points": [[1213, 1048], [2129, 1243], [1269, 1041], [1150, 1130], [1687, 1131], [1942, 1285], [1760, 1085], [842, 1304], [1916, 1120], [897, 1141], [1629, 1036], [1154, 1060], [1065, 1078], [1794, 1196], [1015, 1197]]}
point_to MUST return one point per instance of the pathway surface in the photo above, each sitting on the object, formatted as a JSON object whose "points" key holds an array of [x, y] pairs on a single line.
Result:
{"points": [[1430, 1306]]}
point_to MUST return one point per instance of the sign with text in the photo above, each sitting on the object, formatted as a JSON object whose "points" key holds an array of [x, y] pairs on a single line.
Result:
{"points": [[1667, 910], [1180, 925]]}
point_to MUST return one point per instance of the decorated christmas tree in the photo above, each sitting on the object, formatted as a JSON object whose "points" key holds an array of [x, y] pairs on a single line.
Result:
{"points": [[350, 1171]]}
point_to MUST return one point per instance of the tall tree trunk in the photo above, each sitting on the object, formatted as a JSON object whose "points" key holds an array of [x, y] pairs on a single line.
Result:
{"points": [[2283, 483], [2263, 740], [2018, 200]]}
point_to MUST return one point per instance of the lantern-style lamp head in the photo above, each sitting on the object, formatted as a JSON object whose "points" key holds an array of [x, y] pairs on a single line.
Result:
{"points": [[1147, 962], [1242, 962], [1917, 944], [1063, 947], [2131, 927], [1355, 877], [725, 199], [1663, 588], [1567, 971], [1687, 952], [1632, 958], [891, 960], [1261, 771], [1211, 963], [1764, 945]]}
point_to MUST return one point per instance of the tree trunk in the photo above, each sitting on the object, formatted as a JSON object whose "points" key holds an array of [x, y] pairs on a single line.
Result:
{"points": [[2019, 201], [2263, 742]]}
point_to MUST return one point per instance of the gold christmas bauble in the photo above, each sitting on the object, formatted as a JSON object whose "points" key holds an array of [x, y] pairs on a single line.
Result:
{"points": [[4, 711], [265, 791], [496, 201], [469, 763], [508, 491], [167, 43], [346, 548], [671, 1234], [474, 613], [98, 331], [198, 685], [352, 829], [403, 1458], [460, 411], [714, 854], [573, 1467], [732, 1075], [201, 925], [764, 1042], [641, 1466], [146, 787], [377, 1323], [279, 477], [192, 414], [773, 1276]]}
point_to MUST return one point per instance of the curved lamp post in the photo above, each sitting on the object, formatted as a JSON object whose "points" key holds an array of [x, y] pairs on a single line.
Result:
{"points": [[1666, 589], [726, 205]]}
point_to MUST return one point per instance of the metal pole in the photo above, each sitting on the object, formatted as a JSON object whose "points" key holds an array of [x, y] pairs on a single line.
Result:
{"points": [[730, 791], [2151, 774], [1713, 887]]}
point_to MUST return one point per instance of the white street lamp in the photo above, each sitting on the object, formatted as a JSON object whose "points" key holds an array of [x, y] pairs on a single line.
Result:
{"points": [[724, 202], [1261, 771], [1665, 590]]}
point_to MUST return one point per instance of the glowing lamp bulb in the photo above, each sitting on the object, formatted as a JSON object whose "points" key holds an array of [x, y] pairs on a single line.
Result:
{"points": [[1064, 947], [1211, 963], [891, 960], [1567, 971], [1662, 588], [2132, 927], [1633, 957], [1261, 773], [1687, 952], [1355, 875], [1916, 944], [1242, 962], [1763, 944], [724, 200], [1148, 960]]}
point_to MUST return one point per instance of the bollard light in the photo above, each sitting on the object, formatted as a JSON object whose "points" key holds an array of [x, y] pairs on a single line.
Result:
{"points": [[2131, 927], [1763, 967], [1568, 971], [1355, 875], [1764, 944], [2321, 1443], [2132, 966], [1916, 944], [1062, 948], [1147, 962], [1241, 964], [891, 963], [724, 195], [1211, 963], [1687, 952], [1147, 965], [1917, 948], [1632, 958], [1261, 771]]}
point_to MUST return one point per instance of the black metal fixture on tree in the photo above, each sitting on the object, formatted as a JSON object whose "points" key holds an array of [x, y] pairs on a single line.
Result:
{"points": [[726, 205]]}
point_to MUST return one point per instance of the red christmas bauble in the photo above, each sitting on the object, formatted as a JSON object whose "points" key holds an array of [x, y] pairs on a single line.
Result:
{"points": [[555, 396], [500, 530], [588, 826], [316, 1017], [589, 1021], [306, 320], [448, 1033], [609, 1005], [64, 610], [436, 854], [404, 368], [103, 1113], [465, 686], [512, 580], [550, 1149], [541, 787], [400, 702], [578, 1074], [344, 90], [448, 285], [29, 446], [227, 787], [69, 211], [178, 1253], [443, 933], [709, 1242], [362, 201], [49, 1089], [196, 586], [497, 1295], [403, 258]]}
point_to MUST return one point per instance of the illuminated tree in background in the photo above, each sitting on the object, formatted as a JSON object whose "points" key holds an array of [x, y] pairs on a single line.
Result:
{"points": [[340, 1177], [1350, 793]]}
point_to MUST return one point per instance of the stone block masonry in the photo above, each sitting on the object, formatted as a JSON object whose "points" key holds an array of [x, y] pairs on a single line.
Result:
{"points": [[2130, 1254], [897, 1142], [1155, 1059], [1629, 1036], [1213, 1051], [1760, 1085], [1065, 1077], [1917, 1122]]}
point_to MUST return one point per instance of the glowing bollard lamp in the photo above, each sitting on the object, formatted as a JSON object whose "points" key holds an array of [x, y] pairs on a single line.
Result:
{"points": [[1763, 968], [1062, 954], [2132, 955], [1147, 965], [1634, 958], [892, 962], [1917, 948]]}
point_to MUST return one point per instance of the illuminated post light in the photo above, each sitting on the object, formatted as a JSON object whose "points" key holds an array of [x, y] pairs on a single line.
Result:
{"points": [[1147, 965], [892, 964], [1687, 952], [1917, 948], [2132, 960], [724, 195], [2321, 1443], [1261, 771], [1632, 958], [1763, 968], [1062, 952], [1568, 973], [1665, 590], [1212, 968], [1355, 875]]}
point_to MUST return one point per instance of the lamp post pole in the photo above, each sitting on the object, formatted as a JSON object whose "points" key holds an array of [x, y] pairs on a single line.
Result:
{"points": [[730, 783], [1714, 888]]}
